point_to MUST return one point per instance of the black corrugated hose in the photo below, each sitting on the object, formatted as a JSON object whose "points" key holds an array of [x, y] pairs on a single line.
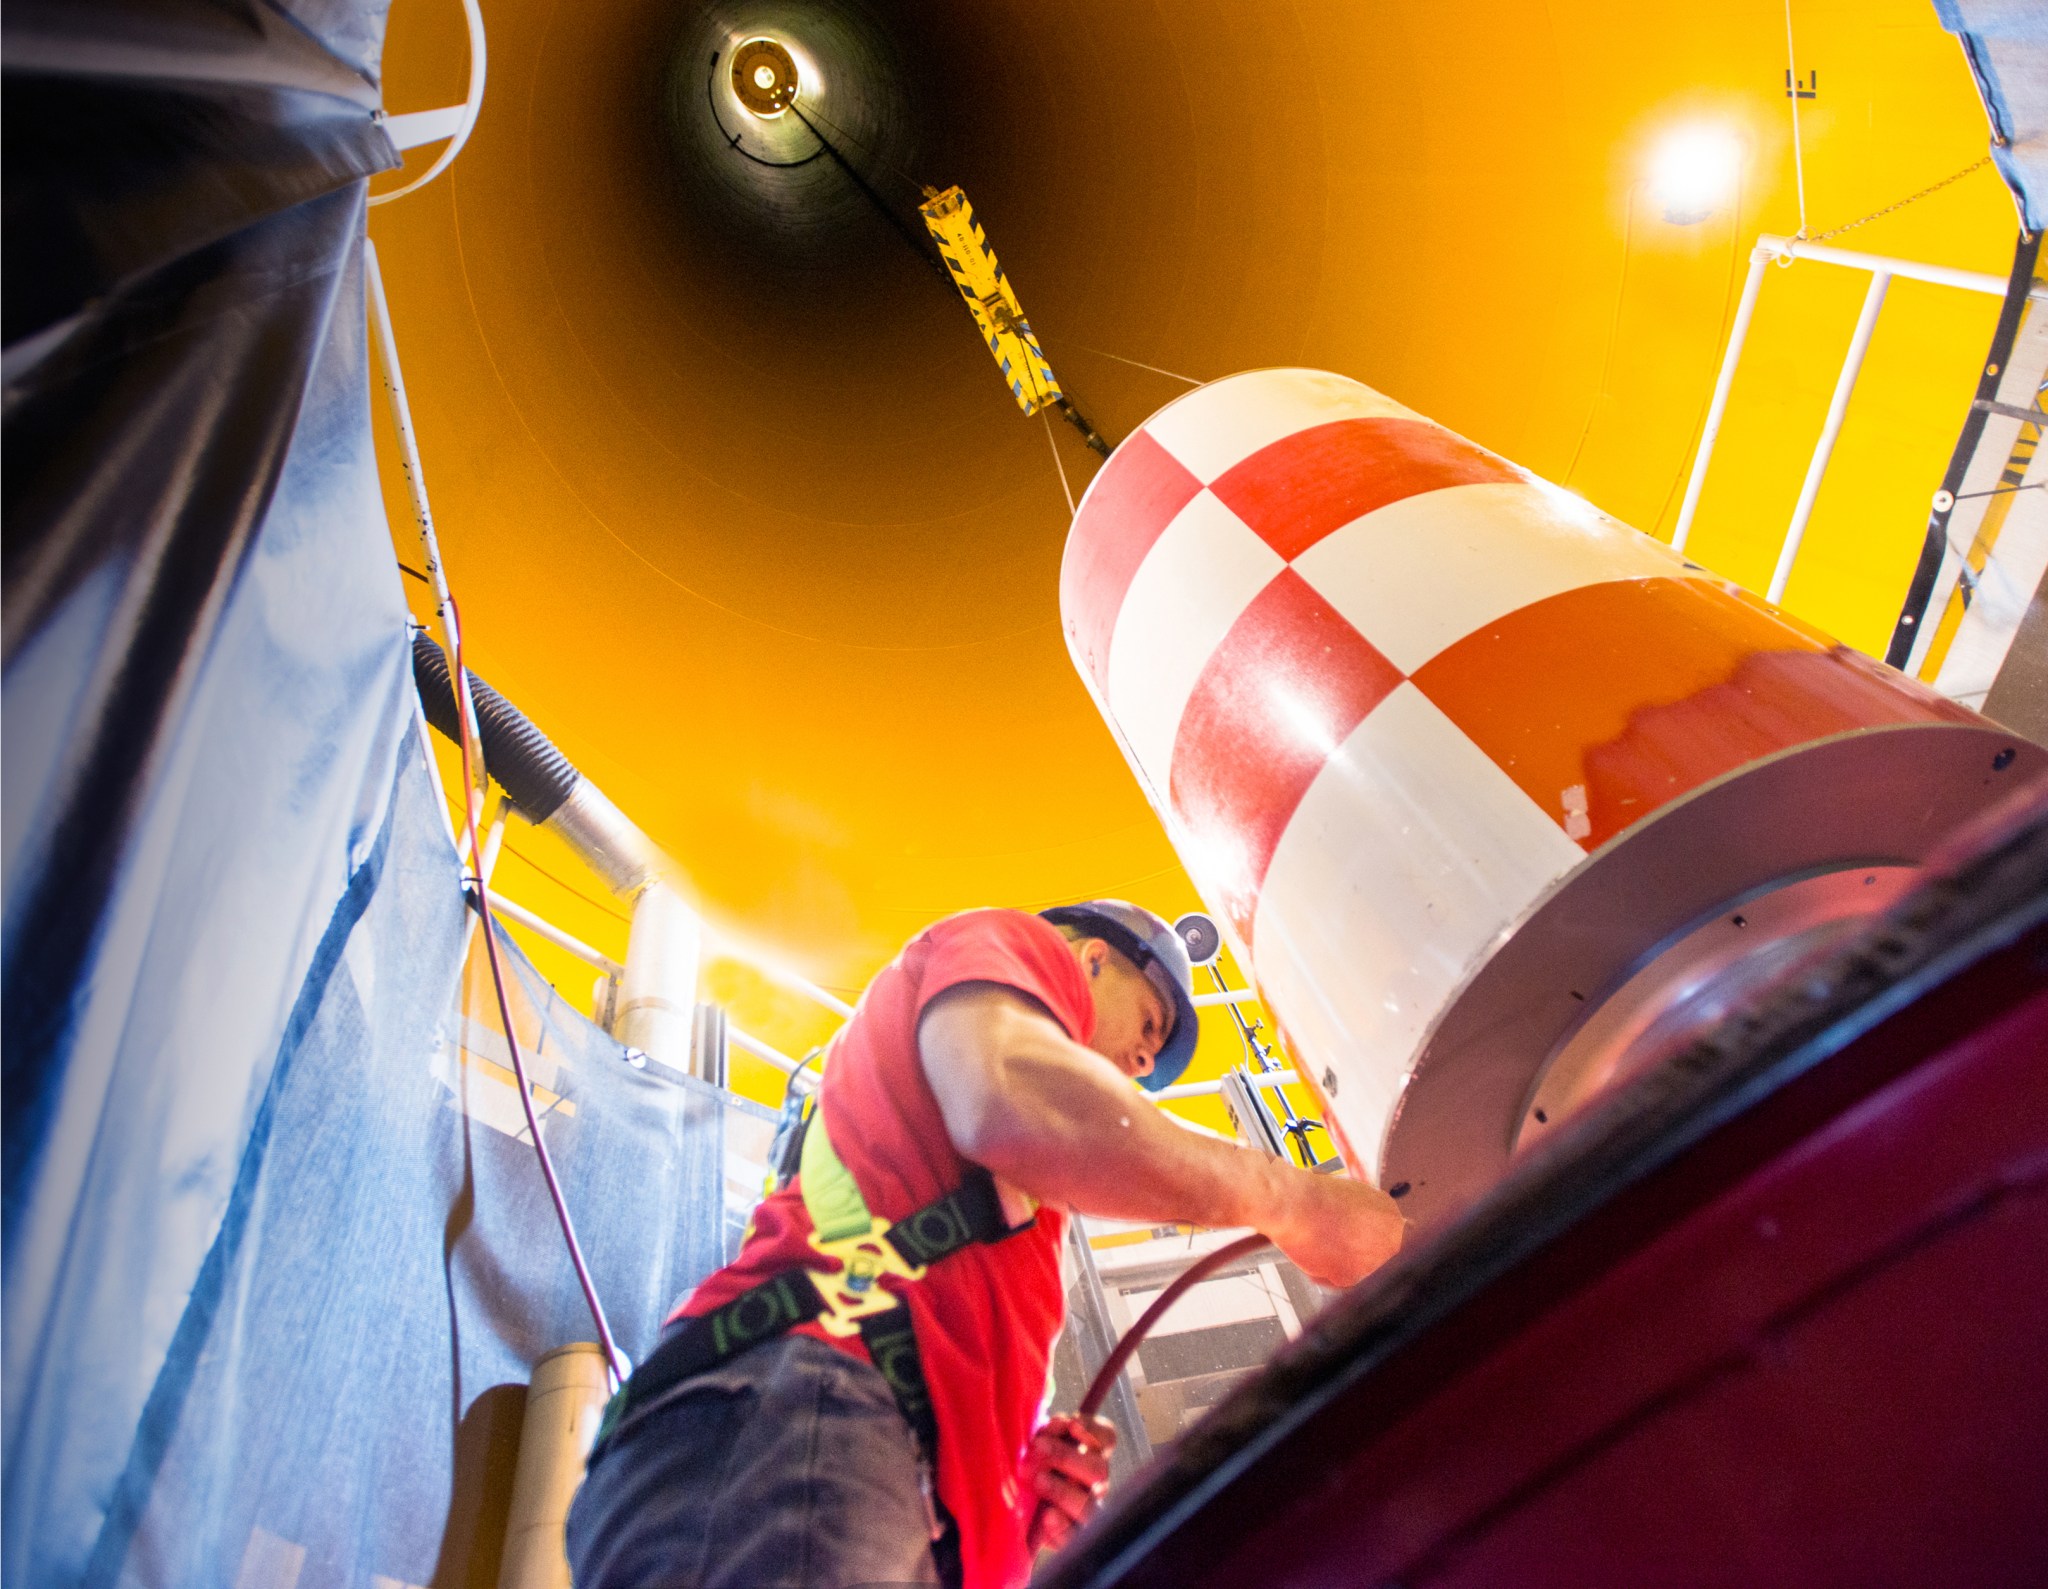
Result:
{"points": [[535, 776]]}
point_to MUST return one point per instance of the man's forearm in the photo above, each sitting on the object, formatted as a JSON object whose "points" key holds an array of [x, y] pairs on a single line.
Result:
{"points": [[1060, 1123]]}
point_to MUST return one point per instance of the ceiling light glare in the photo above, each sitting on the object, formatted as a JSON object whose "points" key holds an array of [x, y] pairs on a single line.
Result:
{"points": [[1693, 173]]}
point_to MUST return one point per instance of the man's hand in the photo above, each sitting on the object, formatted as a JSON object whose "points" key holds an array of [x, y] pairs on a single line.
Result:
{"points": [[1062, 1123], [1336, 1230], [1065, 1471]]}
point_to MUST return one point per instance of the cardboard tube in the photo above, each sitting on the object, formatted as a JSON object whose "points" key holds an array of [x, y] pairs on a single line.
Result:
{"points": [[563, 1406]]}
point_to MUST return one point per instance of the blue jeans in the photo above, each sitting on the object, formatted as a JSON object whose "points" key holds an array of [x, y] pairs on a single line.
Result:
{"points": [[787, 1468]]}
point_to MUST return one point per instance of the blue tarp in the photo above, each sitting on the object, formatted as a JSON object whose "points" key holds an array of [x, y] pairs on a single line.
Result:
{"points": [[2006, 42], [342, 1399], [271, 1279]]}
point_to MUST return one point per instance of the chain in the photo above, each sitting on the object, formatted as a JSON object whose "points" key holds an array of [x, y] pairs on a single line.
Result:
{"points": [[1851, 226]]}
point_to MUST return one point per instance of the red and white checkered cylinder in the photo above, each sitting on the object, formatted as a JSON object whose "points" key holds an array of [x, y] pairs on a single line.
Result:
{"points": [[1386, 690]]}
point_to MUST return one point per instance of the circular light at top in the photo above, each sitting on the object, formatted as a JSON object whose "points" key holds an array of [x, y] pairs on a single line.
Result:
{"points": [[1693, 172], [764, 77]]}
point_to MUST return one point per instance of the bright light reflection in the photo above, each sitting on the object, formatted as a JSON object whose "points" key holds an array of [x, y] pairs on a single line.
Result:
{"points": [[1305, 721], [1693, 172]]}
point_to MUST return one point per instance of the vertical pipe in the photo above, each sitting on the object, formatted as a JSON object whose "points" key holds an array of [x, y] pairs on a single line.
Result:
{"points": [[657, 1001], [1838, 408], [563, 1407], [1737, 335]]}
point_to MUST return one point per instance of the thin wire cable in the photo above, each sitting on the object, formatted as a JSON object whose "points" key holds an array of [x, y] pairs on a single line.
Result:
{"points": [[919, 244], [1628, 226], [616, 1367], [1137, 364], [1053, 442], [2000, 491], [856, 139], [1792, 97], [567, 888], [1914, 198]]}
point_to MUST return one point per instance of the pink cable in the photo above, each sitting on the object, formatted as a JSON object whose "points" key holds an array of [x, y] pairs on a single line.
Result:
{"points": [[615, 1364]]}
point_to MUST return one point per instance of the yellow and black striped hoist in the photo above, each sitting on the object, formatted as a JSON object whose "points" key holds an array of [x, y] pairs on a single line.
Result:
{"points": [[971, 260]]}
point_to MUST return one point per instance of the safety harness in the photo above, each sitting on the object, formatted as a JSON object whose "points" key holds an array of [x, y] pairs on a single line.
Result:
{"points": [[847, 1300]]}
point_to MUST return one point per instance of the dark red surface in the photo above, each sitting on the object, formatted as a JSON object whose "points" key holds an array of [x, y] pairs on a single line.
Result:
{"points": [[1834, 1371]]}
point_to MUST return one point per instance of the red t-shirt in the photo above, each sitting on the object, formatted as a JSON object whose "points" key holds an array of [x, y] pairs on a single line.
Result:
{"points": [[987, 1316]]}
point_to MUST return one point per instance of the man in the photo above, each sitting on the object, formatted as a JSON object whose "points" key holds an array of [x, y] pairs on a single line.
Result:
{"points": [[852, 1401]]}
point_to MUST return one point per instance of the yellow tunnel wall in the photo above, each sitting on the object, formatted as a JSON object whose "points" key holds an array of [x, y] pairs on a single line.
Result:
{"points": [[772, 554]]}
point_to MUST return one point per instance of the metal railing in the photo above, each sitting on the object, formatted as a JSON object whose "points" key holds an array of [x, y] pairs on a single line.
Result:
{"points": [[1784, 250]]}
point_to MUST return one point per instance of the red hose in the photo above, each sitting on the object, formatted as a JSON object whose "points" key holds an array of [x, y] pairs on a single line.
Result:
{"points": [[1194, 1274], [1120, 1354]]}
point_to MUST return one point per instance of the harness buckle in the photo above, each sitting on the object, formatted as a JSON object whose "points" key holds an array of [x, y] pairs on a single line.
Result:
{"points": [[854, 1292]]}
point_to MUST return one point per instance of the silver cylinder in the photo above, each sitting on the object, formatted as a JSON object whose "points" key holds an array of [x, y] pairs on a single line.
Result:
{"points": [[607, 839], [564, 1404]]}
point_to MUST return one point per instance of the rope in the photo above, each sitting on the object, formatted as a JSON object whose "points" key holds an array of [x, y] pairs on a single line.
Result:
{"points": [[1135, 364], [1792, 98], [615, 1364], [1053, 442], [1914, 198]]}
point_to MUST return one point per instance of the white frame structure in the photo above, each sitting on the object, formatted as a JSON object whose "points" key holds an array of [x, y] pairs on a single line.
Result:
{"points": [[1772, 249]]}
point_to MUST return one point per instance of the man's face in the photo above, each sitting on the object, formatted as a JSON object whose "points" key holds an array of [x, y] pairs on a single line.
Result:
{"points": [[1132, 1020]]}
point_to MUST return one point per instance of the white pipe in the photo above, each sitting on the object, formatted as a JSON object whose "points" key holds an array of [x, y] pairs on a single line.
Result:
{"points": [[416, 489], [426, 737], [1199, 1130], [472, 103], [1838, 408], [658, 989], [1208, 1089], [1203, 1001], [760, 1050], [1737, 335], [493, 841], [1940, 275], [789, 979], [418, 127], [541, 927], [811, 991]]}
